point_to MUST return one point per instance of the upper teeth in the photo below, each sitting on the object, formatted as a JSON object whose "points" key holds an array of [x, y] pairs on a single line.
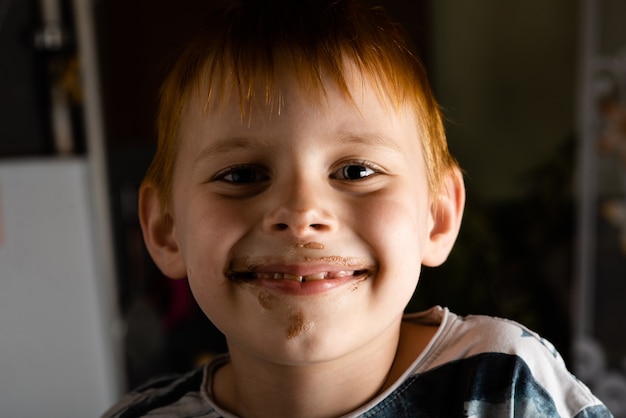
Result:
{"points": [[305, 278]]}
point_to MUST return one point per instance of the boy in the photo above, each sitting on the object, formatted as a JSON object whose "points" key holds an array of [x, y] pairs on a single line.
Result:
{"points": [[302, 178]]}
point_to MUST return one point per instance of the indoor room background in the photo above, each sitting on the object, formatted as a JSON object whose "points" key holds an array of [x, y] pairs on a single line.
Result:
{"points": [[534, 95]]}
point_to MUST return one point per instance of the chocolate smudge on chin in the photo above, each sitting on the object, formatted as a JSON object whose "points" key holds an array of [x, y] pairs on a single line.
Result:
{"points": [[298, 325]]}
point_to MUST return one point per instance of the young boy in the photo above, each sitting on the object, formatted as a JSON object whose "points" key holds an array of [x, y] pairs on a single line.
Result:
{"points": [[302, 179]]}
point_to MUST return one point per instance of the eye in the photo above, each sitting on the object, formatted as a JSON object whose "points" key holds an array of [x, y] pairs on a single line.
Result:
{"points": [[354, 171], [242, 175]]}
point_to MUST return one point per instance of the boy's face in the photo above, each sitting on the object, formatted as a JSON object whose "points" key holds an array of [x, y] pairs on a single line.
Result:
{"points": [[329, 192]]}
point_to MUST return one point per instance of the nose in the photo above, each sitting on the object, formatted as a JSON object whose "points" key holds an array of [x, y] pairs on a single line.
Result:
{"points": [[300, 209]]}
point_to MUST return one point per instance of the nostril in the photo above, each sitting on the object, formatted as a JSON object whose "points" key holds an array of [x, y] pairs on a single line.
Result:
{"points": [[281, 227], [284, 227]]}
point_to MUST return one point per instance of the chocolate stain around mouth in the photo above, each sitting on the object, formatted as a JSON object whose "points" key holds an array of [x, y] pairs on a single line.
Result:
{"points": [[267, 300], [355, 285]]}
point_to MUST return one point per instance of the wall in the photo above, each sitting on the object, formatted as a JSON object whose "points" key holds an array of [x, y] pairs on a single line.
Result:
{"points": [[505, 74]]}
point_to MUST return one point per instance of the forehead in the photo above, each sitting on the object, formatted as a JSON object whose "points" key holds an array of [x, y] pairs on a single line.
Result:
{"points": [[291, 106]]}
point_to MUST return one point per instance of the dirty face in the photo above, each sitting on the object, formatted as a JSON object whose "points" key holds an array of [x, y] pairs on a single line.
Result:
{"points": [[302, 230]]}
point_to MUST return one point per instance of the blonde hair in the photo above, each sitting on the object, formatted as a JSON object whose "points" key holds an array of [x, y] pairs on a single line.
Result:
{"points": [[240, 46]]}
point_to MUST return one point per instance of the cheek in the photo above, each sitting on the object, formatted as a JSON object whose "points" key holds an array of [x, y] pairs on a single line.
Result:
{"points": [[208, 233], [394, 223], [206, 222], [207, 246], [396, 230]]}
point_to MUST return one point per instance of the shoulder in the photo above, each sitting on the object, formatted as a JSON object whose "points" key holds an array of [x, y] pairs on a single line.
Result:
{"points": [[486, 362], [464, 336], [181, 394]]}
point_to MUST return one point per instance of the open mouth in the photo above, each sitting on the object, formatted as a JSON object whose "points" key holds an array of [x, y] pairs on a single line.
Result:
{"points": [[326, 275]]}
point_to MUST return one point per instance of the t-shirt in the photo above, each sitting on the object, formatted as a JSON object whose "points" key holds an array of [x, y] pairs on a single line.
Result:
{"points": [[474, 366]]}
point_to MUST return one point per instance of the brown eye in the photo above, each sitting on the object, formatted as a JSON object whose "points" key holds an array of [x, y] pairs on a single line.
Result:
{"points": [[354, 172], [243, 175]]}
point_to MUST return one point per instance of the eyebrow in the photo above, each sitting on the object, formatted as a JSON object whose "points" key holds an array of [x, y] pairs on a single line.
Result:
{"points": [[370, 139], [234, 144], [228, 145]]}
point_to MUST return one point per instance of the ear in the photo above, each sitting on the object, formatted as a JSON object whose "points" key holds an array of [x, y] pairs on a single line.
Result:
{"points": [[159, 233], [446, 216]]}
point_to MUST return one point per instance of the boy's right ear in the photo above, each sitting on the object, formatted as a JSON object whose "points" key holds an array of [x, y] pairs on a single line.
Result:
{"points": [[159, 233]]}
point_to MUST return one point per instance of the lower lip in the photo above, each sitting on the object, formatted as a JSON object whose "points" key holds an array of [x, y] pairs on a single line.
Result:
{"points": [[313, 287]]}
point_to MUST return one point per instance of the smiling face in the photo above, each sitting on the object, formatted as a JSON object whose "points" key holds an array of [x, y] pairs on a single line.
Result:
{"points": [[302, 229]]}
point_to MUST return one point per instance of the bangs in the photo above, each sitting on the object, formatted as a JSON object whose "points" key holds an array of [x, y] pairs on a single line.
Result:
{"points": [[238, 55]]}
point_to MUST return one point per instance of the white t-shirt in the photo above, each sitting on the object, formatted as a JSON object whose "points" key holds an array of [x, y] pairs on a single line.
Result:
{"points": [[475, 366]]}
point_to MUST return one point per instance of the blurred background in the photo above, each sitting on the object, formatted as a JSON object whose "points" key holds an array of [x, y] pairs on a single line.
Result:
{"points": [[535, 103]]}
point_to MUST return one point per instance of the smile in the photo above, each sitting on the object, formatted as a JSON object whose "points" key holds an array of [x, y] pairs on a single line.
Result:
{"points": [[326, 275]]}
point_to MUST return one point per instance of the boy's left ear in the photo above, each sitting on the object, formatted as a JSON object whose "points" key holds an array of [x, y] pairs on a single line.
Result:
{"points": [[446, 216]]}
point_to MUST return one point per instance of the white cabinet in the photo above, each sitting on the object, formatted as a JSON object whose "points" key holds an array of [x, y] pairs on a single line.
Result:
{"points": [[56, 327]]}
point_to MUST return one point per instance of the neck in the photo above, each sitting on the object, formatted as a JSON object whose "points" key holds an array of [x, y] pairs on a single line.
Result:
{"points": [[252, 387]]}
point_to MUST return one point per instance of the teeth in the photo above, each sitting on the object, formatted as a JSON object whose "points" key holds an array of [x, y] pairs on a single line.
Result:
{"points": [[285, 276], [311, 277], [318, 276]]}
